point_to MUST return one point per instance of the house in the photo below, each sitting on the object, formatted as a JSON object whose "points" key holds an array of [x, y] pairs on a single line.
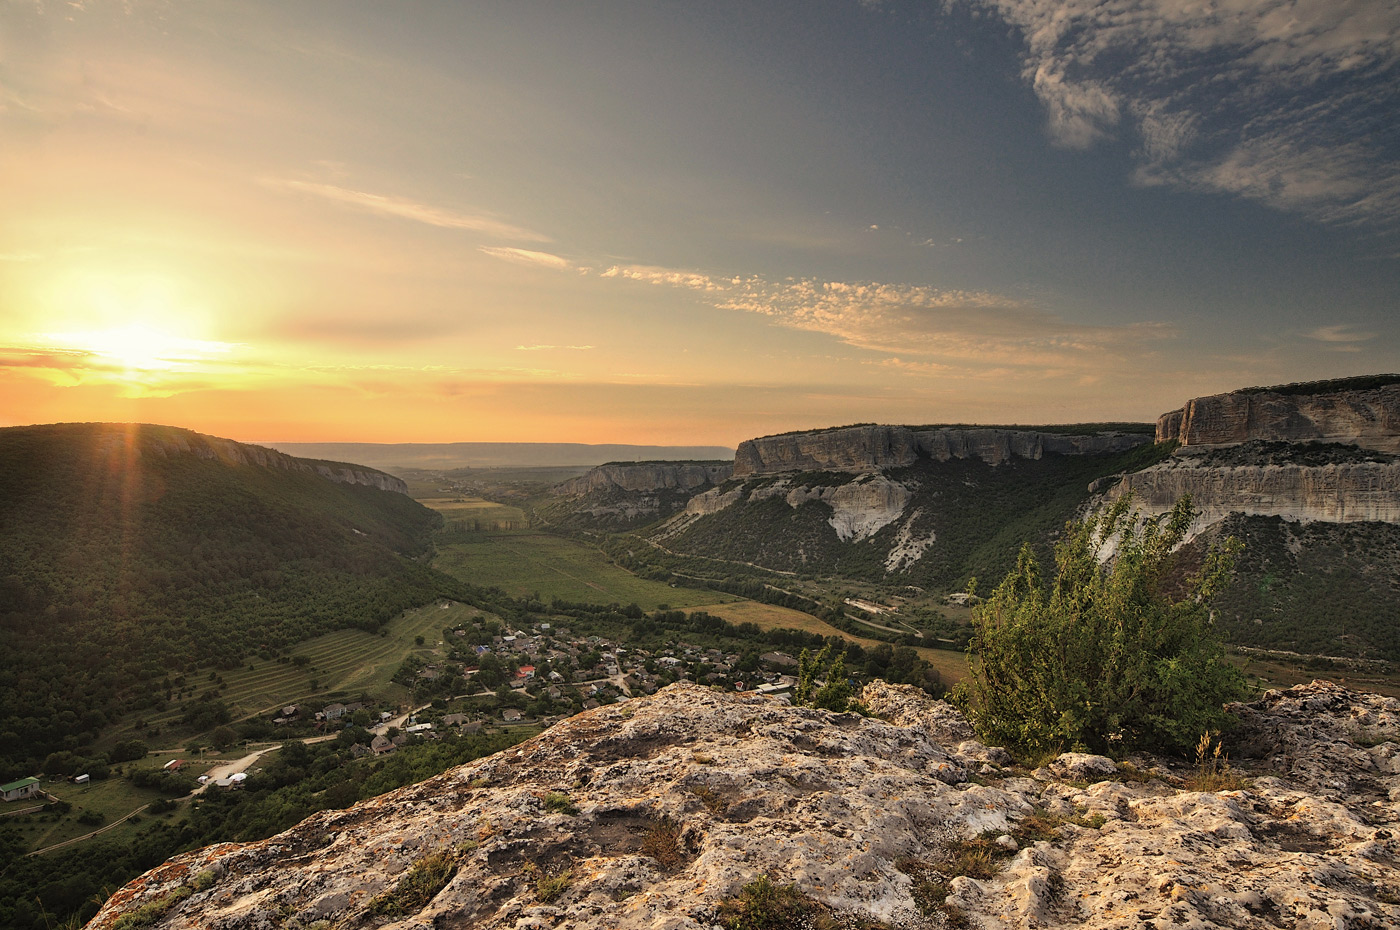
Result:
{"points": [[332, 712], [454, 720], [510, 715], [381, 745], [18, 790]]}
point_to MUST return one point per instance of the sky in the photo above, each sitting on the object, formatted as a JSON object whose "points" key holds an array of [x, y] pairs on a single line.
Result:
{"points": [[687, 223]]}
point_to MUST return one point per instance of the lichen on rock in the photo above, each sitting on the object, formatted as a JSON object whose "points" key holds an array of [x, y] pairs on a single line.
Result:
{"points": [[901, 819]]}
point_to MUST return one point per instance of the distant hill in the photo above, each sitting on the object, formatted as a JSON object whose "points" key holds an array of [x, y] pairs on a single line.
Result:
{"points": [[452, 455], [129, 553]]}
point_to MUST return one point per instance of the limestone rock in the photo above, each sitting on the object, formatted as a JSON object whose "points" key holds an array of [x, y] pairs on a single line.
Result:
{"points": [[875, 448], [646, 476], [1366, 418], [682, 798]]}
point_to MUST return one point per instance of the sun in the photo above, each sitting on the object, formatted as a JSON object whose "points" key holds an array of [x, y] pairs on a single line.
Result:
{"points": [[138, 348]]}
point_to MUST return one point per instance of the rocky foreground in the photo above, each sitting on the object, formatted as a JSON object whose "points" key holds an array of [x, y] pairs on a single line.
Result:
{"points": [[655, 813]]}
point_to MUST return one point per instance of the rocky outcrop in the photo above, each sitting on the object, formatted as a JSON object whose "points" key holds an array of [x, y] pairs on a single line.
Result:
{"points": [[647, 476], [168, 441], [859, 508], [875, 448], [1368, 418], [652, 813], [1302, 482]]}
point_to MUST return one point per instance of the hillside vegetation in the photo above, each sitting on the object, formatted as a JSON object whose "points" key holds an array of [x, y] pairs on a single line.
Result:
{"points": [[125, 563]]}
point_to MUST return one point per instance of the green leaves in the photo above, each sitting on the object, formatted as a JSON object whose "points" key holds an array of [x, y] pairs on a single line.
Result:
{"points": [[1103, 659]]}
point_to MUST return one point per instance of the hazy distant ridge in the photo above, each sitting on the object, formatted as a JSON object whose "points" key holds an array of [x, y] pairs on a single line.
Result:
{"points": [[493, 454]]}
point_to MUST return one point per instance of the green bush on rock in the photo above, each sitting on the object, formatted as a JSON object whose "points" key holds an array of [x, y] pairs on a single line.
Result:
{"points": [[1103, 658]]}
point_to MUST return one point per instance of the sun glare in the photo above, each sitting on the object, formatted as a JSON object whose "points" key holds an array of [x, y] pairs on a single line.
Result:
{"points": [[139, 348]]}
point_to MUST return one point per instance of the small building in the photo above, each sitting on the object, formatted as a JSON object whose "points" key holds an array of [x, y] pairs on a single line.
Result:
{"points": [[82, 779], [454, 720], [381, 745], [510, 715], [19, 790]]}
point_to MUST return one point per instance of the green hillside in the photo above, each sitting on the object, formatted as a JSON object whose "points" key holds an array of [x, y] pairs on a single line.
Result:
{"points": [[977, 514], [130, 554]]}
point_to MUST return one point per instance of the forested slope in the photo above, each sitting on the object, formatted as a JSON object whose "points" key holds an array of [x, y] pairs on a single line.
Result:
{"points": [[128, 552]]}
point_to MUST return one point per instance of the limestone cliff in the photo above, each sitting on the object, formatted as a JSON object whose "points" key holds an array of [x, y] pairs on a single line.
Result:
{"points": [[1368, 417], [1275, 482], [646, 476], [874, 448], [653, 813], [167, 441]]}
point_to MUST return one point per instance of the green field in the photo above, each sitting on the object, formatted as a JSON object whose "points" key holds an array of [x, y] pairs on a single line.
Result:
{"points": [[529, 564], [951, 665], [113, 798], [346, 662], [475, 513]]}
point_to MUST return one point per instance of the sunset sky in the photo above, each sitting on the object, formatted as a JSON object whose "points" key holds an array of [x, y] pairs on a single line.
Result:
{"points": [[687, 222]]}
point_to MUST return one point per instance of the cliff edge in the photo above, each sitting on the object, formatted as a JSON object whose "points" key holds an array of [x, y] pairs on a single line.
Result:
{"points": [[1367, 417], [656, 812], [875, 448]]}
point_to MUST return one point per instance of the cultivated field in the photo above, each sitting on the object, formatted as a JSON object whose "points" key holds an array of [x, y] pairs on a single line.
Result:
{"points": [[528, 564], [345, 663], [951, 665]]}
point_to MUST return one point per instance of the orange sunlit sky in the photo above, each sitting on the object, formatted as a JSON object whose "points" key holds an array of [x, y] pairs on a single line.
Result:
{"points": [[686, 223]]}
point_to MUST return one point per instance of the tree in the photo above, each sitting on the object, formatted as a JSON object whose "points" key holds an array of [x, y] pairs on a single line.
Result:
{"points": [[1103, 659], [835, 692]]}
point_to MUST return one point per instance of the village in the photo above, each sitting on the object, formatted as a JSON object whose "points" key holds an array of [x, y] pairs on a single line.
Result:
{"points": [[483, 675]]}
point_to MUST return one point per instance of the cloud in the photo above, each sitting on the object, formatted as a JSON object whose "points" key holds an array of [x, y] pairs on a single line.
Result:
{"points": [[399, 208], [1287, 102], [542, 348], [1341, 337], [920, 328], [651, 274], [527, 257]]}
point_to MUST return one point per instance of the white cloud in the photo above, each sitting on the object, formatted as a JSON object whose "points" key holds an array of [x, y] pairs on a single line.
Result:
{"points": [[1287, 102], [650, 274], [409, 210], [920, 328], [527, 257], [1341, 337]]}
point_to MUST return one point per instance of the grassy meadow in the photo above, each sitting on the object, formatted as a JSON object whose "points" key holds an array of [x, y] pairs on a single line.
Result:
{"points": [[529, 564]]}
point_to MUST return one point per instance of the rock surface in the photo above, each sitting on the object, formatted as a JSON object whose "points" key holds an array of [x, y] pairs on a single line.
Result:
{"points": [[873, 448], [646, 476], [1366, 418], [650, 813], [1280, 486]]}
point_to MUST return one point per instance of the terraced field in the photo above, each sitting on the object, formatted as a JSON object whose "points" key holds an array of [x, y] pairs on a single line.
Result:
{"points": [[344, 663]]}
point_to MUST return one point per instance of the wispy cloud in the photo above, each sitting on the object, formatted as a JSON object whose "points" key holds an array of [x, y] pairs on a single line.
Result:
{"points": [[1287, 102], [920, 328], [545, 348], [22, 256], [400, 208], [528, 257], [1343, 337], [651, 274]]}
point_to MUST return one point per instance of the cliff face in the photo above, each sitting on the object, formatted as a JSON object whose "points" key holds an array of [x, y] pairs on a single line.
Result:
{"points": [[168, 441], [647, 476], [681, 799], [1338, 493], [1366, 418], [874, 448]]}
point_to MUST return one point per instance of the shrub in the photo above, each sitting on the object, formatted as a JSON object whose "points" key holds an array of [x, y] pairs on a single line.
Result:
{"points": [[1102, 659]]}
